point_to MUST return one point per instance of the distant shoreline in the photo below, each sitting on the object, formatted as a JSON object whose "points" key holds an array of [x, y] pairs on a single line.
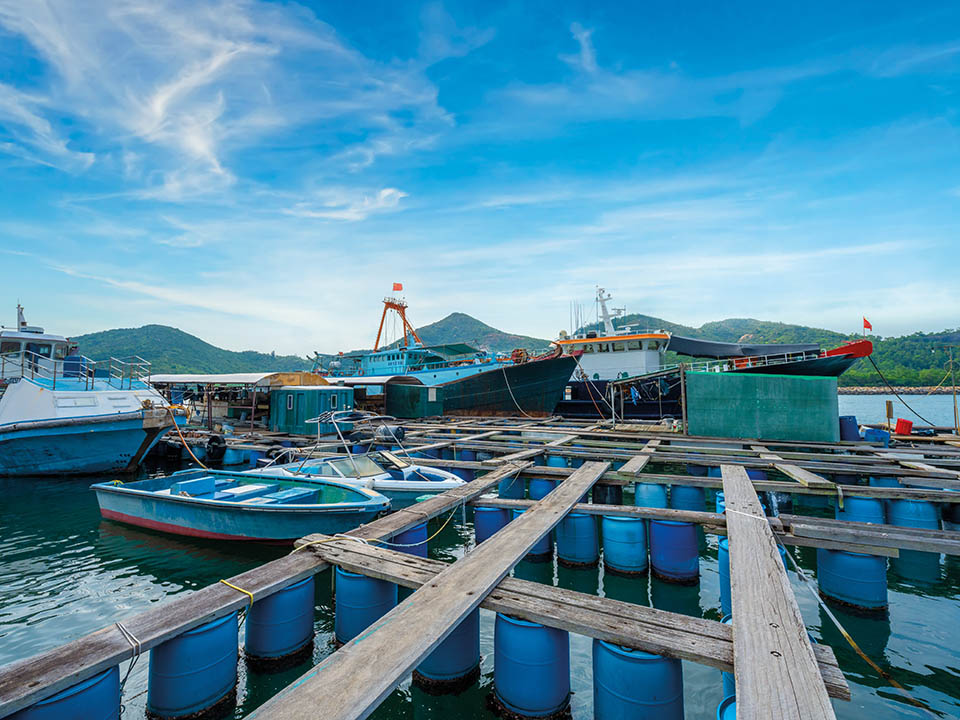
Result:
{"points": [[919, 390]]}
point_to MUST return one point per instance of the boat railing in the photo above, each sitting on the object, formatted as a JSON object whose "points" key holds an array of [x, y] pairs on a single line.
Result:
{"points": [[742, 363], [81, 370]]}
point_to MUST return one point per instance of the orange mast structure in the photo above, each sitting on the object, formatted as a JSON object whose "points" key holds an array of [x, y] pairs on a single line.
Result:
{"points": [[399, 307]]}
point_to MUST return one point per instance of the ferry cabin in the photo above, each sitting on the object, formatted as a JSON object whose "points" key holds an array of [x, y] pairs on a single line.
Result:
{"points": [[433, 364], [611, 357], [34, 345]]}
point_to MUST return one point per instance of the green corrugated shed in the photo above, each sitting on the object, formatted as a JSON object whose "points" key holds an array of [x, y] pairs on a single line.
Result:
{"points": [[772, 407], [292, 405], [413, 401]]}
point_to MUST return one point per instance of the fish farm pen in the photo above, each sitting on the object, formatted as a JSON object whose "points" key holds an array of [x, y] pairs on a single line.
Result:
{"points": [[627, 505]]}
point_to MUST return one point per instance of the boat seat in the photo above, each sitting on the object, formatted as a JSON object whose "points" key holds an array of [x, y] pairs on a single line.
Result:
{"points": [[225, 483], [258, 501], [194, 488], [294, 495], [245, 492]]}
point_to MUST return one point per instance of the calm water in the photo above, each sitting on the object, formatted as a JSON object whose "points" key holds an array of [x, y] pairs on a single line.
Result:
{"points": [[64, 573], [937, 409]]}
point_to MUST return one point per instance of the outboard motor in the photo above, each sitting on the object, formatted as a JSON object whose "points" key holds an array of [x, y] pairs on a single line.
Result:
{"points": [[389, 434], [216, 448]]}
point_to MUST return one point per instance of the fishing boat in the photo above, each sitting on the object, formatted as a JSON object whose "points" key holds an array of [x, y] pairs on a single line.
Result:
{"points": [[62, 413], [383, 472], [237, 506]]}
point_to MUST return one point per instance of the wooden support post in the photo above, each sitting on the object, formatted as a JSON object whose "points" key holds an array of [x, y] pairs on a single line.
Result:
{"points": [[683, 398], [352, 682], [773, 663]]}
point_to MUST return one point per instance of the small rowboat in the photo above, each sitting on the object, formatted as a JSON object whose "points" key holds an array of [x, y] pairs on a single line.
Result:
{"points": [[237, 506]]}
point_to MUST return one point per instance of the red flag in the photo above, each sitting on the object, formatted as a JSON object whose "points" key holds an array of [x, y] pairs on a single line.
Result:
{"points": [[867, 325], [397, 287]]}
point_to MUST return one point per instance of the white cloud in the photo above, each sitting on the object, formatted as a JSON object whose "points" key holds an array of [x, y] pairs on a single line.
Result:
{"points": [[586, 60], [351, 206]]}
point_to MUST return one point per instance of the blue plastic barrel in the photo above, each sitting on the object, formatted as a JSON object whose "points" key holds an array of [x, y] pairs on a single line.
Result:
{"points": [[512, 488], [698, 470], [723, 563], [849, 428], [634, 684], [577, 540], [488, 520], [531, 670], [729, 682], [456, 661], [195, 670], [541, 487], [914, 513], [685, 497], [543, 550], [721, 502], [281, 624], [624, 545], [673, 551], [650, 495], [727, 709], [556, 461], [360, 600], [359, 449], [853, 578], [96, 698], [875, 435], [415, 540], [463, 473], [888, 482], [861, 509], [916, 565]]}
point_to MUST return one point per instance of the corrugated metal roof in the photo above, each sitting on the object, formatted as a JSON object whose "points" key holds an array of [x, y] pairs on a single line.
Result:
{"points": [[216, 379], [374, 380]]}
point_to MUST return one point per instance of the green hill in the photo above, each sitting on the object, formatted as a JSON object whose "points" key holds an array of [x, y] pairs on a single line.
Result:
{"points": [[173, 351], [460, 327]]}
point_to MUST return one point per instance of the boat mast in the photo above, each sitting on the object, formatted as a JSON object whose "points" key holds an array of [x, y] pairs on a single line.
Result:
{"points": [[400, 307], [21, 320], [602, 297]]}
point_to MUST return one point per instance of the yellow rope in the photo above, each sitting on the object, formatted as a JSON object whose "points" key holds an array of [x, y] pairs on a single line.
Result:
{"points": [[183, 440], [240, 589]]}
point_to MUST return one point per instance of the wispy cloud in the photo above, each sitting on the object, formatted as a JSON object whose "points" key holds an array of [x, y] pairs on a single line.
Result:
{"points": [[351, 206]]}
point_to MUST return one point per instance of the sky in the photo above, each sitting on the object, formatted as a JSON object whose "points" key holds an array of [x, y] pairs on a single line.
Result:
{"points": [[259, 174]]}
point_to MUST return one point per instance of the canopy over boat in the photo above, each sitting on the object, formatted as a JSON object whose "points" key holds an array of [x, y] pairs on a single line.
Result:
{"points": [[722, 350]]}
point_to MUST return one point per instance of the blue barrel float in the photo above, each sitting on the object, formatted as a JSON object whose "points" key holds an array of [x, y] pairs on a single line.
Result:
{"points": [[195, 673], [531, 670], [577, 541], [360, 600], [853, 579], [723, 566], [556, 461], [650, 495], [455, 664], [512, 488], [359, 449], [885, 482], [464, 473], [630, 683], [279, 628], [96, 698], [543, 550], [727, 709], [488, 520], [624, 545], [412, 541], [720, 501], [861, 509], [686, 497], [541, 487], [922, 567], [728, 679], [673, 551], [849, 428]]}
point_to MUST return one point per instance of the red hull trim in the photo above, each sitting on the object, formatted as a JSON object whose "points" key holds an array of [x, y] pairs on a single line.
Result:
{"points": [[180, 530]]}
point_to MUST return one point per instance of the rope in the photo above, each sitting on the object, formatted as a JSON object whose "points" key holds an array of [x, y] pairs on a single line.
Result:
{"points": [[590, 393], [240, 589], [137, 648], [808, 583], [183, 440], [506, 381], [887, 383]]}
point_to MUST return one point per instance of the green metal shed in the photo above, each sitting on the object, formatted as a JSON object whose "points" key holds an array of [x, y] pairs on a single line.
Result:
{"points": [[292, 405]]}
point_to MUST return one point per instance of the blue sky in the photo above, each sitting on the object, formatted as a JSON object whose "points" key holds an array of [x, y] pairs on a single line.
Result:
{"points": [[259, 173]]}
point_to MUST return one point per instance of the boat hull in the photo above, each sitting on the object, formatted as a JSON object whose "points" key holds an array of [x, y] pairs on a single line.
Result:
{"points": [[824, 366], [220, 522], [588, 400], [78, 446]]}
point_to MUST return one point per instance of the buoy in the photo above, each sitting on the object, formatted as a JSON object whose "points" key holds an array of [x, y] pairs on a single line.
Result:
{"points": [[464, 473], [727, 678], [650, 495], [624, 545], [673, 551], [512, 488], [685, 497], [455, 663], [360, 600], [415, 540], [279, 628], [96, 698], [853, 579], [543, 550], [723, 563], [577, 540], [727, 709], [195, 673], [488, 520], [631, 683], [531, 670], [541, 487]]}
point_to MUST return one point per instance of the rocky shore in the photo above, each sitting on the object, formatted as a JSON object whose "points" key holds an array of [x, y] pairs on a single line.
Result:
{"points": [[884, 390]]}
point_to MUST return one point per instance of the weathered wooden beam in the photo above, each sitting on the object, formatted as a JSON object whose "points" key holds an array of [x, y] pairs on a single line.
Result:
{"points": [[774, 664], [533, 452], [352, 682]]}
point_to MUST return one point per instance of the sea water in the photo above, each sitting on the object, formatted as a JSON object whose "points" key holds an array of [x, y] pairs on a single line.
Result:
{"points": [[927, 409], [64, 572]]}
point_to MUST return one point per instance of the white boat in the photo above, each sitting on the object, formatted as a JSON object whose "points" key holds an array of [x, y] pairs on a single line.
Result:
{"points": [[62, 413], [381, 471]]}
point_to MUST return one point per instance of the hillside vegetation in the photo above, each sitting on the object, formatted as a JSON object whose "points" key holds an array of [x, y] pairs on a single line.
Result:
{"points": [[461, 328]]}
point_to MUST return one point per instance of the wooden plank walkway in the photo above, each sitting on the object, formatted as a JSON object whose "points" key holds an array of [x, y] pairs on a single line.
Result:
{"points": [[352, 682], [25, 682], [533, 452], [774, 664], [657, 631]]}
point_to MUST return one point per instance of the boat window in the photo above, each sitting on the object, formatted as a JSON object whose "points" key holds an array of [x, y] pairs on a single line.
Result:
{"points": [[60, 351], [40, 349], [603, 347], [333, 402], [588, 348], [289, 402], [618, 347], [358, 466], [9, 346], [634, 345]]}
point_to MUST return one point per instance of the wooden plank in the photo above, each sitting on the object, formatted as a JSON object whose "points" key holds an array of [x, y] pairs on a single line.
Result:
{"points": [[644, 628], [352, 682], [774, 665], [636, 464], [804, 477], [926, 468], [61, 667], [524, 454]]}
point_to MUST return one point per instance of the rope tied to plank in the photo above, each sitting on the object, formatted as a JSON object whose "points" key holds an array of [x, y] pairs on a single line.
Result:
{"points": [[137, 649]]}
